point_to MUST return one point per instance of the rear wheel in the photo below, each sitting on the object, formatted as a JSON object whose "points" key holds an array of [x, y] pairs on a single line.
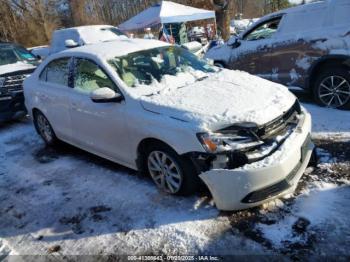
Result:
{"points": [[44, 129], [170, 172], [332, 88]]}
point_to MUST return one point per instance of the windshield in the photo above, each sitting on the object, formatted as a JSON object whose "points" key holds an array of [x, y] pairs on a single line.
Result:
{"points": [[115, 31], [13, 54], [148, 66], [91, 35]]}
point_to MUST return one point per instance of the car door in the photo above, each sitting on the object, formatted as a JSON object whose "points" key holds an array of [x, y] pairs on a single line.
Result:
{"points": [[253, 54], [296, 47], [97, 127], [53, 96]]}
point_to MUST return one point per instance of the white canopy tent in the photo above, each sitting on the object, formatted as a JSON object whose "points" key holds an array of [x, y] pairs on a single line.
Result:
{"points": [[164, 13]]}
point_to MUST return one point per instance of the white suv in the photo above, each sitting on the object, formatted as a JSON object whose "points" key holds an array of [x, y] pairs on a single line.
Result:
{"points": [[160, 110]]}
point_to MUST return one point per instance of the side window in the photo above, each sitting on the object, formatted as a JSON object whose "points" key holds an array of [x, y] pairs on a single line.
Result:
{"points": [[89, 76], [263, 31], [57, 72]]}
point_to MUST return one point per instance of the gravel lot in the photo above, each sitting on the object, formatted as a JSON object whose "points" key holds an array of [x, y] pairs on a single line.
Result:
{"points": [[65, 201]]}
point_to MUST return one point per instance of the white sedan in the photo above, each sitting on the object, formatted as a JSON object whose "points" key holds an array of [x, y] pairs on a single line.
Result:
{"points": [[160, 110]]}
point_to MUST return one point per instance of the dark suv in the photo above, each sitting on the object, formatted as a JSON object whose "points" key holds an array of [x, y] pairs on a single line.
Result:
{"points": [[16, 63], [306, 46]]}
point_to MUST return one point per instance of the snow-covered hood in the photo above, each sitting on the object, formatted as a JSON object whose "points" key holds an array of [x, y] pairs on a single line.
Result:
{"points": [[224, 98], [19, 66]]}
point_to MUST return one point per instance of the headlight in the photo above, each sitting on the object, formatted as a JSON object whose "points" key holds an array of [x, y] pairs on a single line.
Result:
{"points": [[2, 80], [218, 142]]}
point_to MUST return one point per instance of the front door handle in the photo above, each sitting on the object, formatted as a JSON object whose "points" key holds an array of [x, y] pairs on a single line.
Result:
{"points": [[43, 97], [264, 48]]}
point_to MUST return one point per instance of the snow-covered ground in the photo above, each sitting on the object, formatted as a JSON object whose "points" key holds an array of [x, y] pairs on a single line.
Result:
{"points": [[329, 122], [65, 201]]}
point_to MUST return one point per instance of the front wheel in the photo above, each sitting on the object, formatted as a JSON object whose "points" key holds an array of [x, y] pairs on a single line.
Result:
{"points": [[332, 88], [170, 172]]}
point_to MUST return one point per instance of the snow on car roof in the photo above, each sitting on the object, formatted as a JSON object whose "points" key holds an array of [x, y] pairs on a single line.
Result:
{"points": [[299, 8], [84, 27], [115, 48]]}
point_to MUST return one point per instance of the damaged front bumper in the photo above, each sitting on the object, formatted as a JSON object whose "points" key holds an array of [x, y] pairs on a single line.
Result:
{"points": [[272, 177]]}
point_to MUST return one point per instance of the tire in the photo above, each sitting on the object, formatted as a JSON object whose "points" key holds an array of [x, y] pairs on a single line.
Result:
{"points": [[314, 160], [177, 179], [332, 88], [218, 64], [44, 129]]}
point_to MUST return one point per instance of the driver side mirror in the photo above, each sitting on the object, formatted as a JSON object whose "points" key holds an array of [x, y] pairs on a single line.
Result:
{"points": [[105, 95], [234, 42], [70, 43]]}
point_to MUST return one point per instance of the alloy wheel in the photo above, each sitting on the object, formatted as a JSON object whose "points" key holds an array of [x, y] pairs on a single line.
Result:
{"points": [[165, 172], [334, 91], [44, 128]]}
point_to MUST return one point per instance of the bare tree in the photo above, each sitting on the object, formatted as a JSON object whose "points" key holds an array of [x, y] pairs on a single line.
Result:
{"points": [[78, 11], [221, 8], [31, 22]]}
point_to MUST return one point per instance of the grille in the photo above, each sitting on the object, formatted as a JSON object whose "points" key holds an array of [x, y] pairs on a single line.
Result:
{"points": [[283, 125], [14, 83], [266, 193], [268, 130], [280, 124]]}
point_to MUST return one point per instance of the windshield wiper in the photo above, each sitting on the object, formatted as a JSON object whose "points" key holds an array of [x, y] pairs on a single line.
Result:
{"points": [[201, 78], [179, 87], [153, 94]]}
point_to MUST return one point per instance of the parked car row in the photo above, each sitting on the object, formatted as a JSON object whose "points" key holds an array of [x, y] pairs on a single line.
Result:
{"points": [[159, 109], [65, 38], [16, 63]]}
